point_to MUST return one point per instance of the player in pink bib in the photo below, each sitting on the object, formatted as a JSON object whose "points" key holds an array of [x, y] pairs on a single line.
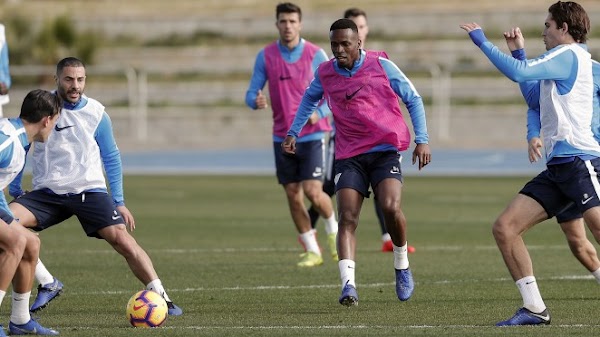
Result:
{"points": [[362, 90]]}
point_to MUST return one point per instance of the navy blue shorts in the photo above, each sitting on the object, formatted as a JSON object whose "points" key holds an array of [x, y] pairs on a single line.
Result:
{"points": [[571, 212], [561, 185], [94, 210], [366, 169], [306, 164]]}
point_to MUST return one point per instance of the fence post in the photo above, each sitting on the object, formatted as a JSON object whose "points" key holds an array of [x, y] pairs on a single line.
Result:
{"points": [[441, 83], [142, 107]]}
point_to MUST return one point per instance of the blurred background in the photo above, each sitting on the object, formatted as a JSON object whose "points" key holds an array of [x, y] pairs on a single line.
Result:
{"points": [[173, 74]]}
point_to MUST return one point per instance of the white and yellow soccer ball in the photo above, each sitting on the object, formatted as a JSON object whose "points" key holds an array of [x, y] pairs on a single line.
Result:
{"points": [[147, 309]]}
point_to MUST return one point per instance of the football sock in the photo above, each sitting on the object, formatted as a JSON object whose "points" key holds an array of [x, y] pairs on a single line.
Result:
{"points": [[401, 256], [20, 308], [347, 271], [42, 275], [386, 237], [158, 288], [597, 275], [331, 225], [2, 294], [314, 216], [310, 242], [532, 299]]}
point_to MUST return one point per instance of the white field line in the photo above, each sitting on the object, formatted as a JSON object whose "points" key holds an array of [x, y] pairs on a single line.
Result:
{"points": [[327, 286]]}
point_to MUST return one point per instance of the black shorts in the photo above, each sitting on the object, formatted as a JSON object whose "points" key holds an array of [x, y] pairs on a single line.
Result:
{"points": [[306, 164], [573, 184], [94, 210], [571, 212], [366, 169]]}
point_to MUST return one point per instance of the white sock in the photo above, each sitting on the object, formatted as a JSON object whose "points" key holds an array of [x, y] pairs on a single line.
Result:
{"points": [[42, 275], [2, 294], [532, 299], [20, 308], [310, 242], [331, 225], [597, 275], [401, 256], [158, 288], [386, 237], [347, 268]]}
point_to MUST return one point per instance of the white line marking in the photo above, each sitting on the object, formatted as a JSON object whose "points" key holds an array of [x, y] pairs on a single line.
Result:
{"points": [[330, 286]]}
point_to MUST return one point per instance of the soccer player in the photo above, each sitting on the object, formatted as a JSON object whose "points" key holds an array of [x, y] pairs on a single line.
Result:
{"points": [[563, 77], [68, 178], [359, 17], [362, 90], [19, 247], [288, 65], [570, 220]]}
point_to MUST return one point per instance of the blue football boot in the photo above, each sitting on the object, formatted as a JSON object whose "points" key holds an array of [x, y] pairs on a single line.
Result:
{"points": [[46, 293]]}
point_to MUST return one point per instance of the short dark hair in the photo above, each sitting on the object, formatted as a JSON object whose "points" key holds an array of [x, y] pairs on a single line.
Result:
{"points": [[287, 7], [344, 24], [38, 104], [68, 62], [574, 16], [354, 12]]}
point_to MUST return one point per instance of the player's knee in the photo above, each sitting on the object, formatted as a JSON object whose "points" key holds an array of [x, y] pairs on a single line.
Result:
{"points": [[17, 246], [125, 244], [348, 219], [502, 229], [389, 207], [33, 244]]}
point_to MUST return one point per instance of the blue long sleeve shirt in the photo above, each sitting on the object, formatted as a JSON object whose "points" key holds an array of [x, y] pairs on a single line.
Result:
{"points": [[556, 64]]}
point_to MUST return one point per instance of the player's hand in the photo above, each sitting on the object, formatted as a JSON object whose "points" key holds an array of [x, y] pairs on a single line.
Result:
{"points": [[3, 88], [514, 39], [469, 27], [423, 154], [475, 33], [127, 217], [261, 101], [535, 144], [289, 145]]}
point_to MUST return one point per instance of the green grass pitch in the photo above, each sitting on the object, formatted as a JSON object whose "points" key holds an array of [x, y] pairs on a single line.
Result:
{"points": [[226, 251]]}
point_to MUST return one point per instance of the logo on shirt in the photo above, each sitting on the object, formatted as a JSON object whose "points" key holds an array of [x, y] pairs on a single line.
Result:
{"points": [[349, 97], [283, 78], [59, 128]]}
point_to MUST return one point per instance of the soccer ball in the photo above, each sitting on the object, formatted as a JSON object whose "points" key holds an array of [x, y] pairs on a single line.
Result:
{"points": [[147, 309]]}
